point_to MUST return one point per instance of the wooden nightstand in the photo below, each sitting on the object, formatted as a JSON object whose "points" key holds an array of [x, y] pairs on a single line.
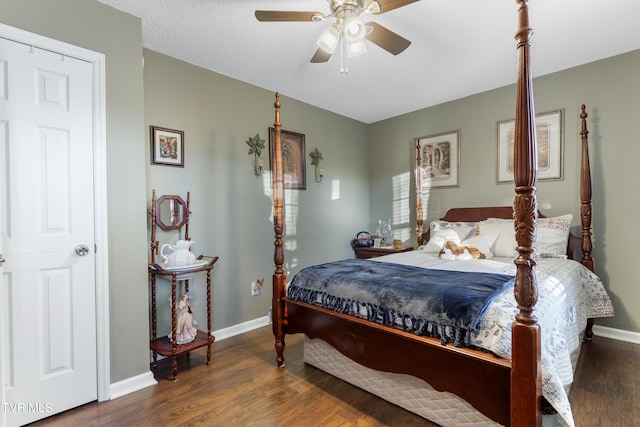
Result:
{"points": [[371, 252]]}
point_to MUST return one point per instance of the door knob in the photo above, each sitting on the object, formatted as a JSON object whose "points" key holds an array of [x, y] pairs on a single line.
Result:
{"points": [[82, 250], [2, 259]]}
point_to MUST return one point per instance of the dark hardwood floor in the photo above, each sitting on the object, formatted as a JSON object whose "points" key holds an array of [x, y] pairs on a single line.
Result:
{"points": [[606, 390], [243, 387]]}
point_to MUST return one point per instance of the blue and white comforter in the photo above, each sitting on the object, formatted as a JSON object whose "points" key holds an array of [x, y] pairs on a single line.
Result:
{"points": [[568, 294]]}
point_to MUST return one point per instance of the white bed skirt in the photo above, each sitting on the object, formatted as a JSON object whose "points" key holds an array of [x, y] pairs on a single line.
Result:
{"points": [[411, 393]]}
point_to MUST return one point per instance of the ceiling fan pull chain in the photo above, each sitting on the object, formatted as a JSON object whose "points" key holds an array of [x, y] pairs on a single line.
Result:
{"points": [[344, 58], [341, 56]]}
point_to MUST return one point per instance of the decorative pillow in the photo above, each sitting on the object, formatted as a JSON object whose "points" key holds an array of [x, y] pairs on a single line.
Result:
{"points": [[505, 245], [464, 229], [484, 243], [438, 238], [552, 235]]}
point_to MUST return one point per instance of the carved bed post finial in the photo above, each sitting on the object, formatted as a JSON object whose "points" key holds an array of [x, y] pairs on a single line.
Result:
{"points": [[279, 278], [525, 372], [585, 194], [419, 209]]}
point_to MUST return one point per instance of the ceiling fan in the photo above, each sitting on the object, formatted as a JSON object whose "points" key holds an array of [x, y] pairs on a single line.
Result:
{"points": [[348, 27]]}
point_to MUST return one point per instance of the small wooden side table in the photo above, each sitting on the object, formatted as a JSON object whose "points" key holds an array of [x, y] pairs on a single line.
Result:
{"points": [[163, 345], [372, 252]]}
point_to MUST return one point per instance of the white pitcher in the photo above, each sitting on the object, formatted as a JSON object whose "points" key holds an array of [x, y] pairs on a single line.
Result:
{"points": [[179, 254]]}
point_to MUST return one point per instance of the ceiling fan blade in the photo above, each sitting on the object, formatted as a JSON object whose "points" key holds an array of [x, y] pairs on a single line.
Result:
{"points": [[387, 5], [320, 56], [387, 39], [285, 16]]}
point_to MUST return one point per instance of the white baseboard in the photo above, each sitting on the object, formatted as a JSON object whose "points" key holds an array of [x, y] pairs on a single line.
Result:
{"points": [[617, 334], [241, 328], [141, 381], [132, 384]]}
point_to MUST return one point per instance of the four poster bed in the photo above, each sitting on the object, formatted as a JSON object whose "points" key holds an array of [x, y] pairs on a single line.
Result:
{"points": [[495, 365]]}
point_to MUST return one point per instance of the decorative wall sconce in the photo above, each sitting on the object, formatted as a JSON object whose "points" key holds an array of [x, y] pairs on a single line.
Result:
{"points": [[316, 156], [256, 145]]}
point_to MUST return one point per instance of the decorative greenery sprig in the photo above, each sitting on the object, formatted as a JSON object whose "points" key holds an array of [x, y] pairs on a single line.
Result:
{"points": [[256, 145], [316, 156]]}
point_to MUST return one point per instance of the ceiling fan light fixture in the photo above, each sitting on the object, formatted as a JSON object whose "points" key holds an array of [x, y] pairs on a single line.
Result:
{"points": [[354, 29], [329, 39], [374, 7], [356, 48], [347, 28]]}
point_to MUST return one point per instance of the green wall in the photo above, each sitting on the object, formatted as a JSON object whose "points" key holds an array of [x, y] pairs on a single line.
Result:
{"points": [[609, 88], [231, 206]]}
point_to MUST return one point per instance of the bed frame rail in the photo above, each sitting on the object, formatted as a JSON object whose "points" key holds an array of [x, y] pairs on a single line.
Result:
{"points": [[445, 368]]}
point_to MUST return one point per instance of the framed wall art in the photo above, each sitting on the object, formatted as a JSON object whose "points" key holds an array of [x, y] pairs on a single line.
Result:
{"points": [[293, 158], [167, 147], [550, 137], [440, 159]]}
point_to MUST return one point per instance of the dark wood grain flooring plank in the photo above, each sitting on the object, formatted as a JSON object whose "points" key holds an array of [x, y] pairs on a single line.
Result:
{"points": [[243, 387]]}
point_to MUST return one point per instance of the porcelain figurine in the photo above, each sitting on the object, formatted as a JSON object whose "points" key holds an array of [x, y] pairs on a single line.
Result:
{"points": [[186, 325]]}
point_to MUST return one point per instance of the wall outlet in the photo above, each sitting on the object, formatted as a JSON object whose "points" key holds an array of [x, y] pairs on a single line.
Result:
{"points": [[255, 289]]}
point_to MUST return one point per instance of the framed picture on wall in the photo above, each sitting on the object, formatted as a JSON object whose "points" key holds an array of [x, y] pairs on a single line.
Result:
{"points": [[550, 138], [293, 158], [167, 147], [439, 159]]}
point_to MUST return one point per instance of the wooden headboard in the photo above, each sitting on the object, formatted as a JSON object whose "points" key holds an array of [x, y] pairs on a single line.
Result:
{"points": [[477, 214], [578, 248]]}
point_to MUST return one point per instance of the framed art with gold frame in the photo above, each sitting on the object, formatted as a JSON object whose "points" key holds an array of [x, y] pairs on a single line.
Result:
{"points": [[550, 137], [440, 159], [293, 158]]}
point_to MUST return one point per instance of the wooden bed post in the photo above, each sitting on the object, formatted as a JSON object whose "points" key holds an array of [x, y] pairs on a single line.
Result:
{"points": [[585, 208], [279, 278], [419, 209], [585, 194], [525, 373]]}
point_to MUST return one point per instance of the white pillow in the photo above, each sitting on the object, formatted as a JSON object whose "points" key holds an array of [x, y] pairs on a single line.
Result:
{"points": [[464, 229], [506, 244], [484, 243], [552, 235], [439, 238]]}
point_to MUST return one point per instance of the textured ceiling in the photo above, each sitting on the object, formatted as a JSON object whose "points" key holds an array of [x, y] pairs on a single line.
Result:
{"points": [[459, 47]]}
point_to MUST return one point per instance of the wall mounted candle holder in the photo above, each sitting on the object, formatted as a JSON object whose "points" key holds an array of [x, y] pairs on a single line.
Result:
{"points": [[256, 145], [316, 156]]}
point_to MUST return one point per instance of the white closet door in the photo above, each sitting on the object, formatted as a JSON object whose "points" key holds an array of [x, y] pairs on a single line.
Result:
{"points": [[46, 196]]}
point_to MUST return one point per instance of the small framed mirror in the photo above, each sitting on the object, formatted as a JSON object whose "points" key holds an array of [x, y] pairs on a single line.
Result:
{"points": [[171, 212]]}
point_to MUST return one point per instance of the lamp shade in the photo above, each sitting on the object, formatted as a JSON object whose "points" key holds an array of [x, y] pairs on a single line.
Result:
{"points": [[354, 29], [329, 39], [356, 48]]}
